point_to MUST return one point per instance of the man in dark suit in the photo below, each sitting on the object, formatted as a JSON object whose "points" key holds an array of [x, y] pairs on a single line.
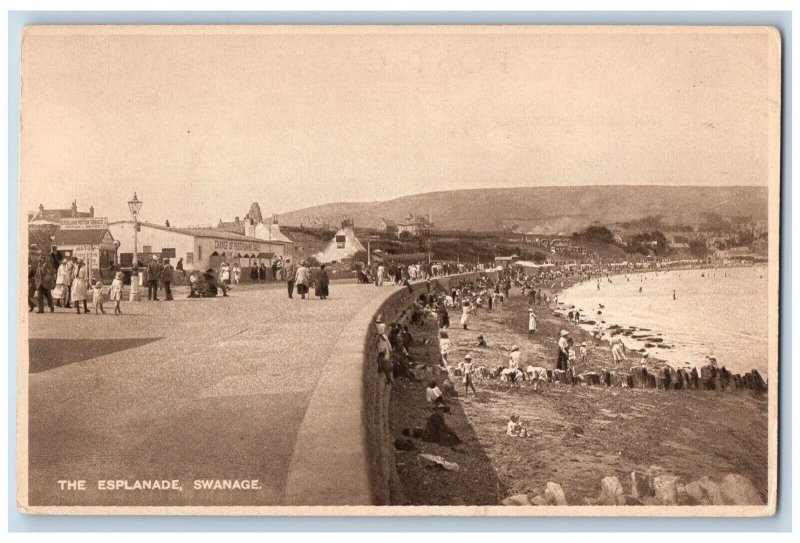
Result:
{"points": [[153, 273]]}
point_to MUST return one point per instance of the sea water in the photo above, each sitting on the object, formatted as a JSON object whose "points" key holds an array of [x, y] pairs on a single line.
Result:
{"points": [[718, 312]]}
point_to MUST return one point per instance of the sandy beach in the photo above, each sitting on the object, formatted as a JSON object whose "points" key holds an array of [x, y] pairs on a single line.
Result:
{"points": [[579, 434]]}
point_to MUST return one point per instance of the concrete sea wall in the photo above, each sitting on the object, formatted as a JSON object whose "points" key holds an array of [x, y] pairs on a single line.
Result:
{"points": [[343, 453]]}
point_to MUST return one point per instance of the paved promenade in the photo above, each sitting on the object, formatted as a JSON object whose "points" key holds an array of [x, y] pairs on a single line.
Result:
{"points": [[195, 389]]}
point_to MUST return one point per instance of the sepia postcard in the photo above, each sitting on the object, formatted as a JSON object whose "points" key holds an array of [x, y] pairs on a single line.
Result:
{"points": [[399, 270]]}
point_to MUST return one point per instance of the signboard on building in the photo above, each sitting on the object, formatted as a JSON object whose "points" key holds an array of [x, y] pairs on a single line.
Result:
{"points": [[237, 246], [84, 223]]}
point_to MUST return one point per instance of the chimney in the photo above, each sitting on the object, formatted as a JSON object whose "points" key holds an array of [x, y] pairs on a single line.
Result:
{"points": [[91, 211], [74, 208], [41, 208], [236, 222], [166, 223]]}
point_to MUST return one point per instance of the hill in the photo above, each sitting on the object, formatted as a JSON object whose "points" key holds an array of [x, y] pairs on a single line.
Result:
{"points": [[549, 210]]}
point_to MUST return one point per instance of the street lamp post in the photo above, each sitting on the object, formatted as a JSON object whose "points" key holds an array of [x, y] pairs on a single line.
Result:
{"points": [[135, 205]]}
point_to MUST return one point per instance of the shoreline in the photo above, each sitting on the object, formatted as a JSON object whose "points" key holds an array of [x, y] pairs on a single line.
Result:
{"points": [[612, 329], [580, 434]]}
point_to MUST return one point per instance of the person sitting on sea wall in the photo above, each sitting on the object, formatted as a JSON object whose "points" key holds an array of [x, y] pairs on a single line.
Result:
{"points": [[434, 395]]}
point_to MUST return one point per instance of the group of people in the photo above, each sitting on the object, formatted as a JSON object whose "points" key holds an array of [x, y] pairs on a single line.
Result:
{"points": [[66, 283]]}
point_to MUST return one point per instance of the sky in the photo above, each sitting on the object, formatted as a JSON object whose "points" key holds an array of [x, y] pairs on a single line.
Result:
{"points": [[203, 121]]}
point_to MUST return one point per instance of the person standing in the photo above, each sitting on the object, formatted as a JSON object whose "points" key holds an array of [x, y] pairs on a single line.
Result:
{"points": [[153, 273], [289, 270], [467, 369], [465, 310], [225, 274], [274, 268], [61, 292], [563, 351], [167, 275], [79, 287], [31, 286], [301, 280], [531, 321], [115, 294], [44, 282], [179, 268], [380, 275], [617, 350], [322, 283], [262, 273], [237, 273]]}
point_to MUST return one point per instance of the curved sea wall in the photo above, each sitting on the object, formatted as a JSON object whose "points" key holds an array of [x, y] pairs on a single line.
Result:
{"points": [[343, 453]]}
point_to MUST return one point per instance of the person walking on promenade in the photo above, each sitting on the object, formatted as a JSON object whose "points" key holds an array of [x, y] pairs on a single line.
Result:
{"points": [[225, 274], [274, 268], [301, 280], [44, 281], [31, 286], [115, 294], [262, 273], [167, 275], [321, 286], [468, 369], [59, 293], [179, 268], [237, 274], [563, 351], [290, 272], [254, 273], [97, 298], [531, 321], [380, 275], [79, 288], [153, 273]]}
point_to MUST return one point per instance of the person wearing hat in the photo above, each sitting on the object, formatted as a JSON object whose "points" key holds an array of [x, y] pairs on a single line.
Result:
{"points": [[384, 349], [153, 273], [97, 298], [289, 272], [167, 275], [617, 350], [563, 351], [584, 353], [531, 321], [115, 294], [467, 369], [644, 360]]}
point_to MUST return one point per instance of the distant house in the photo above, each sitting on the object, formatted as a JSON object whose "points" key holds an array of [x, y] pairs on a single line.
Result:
{"points": [[236, 226], [54, 216], [387, 226], [343, 246], [416, 225]]}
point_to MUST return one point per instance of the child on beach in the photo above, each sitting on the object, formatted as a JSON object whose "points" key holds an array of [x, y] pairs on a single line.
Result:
{"points": [[97, 298], [444, 346], [467, 369], [434, 395], [115, 294], [584, 353], [531, 321], [516, 428]]}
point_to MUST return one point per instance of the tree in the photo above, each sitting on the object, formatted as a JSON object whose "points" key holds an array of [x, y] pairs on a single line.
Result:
{"points": [[599, 234], [698, 248]]}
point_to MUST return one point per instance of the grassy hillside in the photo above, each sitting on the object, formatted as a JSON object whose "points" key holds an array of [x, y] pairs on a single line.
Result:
{"points": [[549, 210]]}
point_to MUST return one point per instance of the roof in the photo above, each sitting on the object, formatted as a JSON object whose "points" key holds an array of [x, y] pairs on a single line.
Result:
{"points": [[201, 232], [80, 237], [57, 214]]}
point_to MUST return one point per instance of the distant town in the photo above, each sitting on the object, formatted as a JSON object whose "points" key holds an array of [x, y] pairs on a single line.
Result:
{"points": [[253, 239]]}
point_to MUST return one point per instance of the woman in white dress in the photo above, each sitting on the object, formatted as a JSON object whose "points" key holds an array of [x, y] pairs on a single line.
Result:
{"points": [[465, 314], [79, 287], [61, 292]]}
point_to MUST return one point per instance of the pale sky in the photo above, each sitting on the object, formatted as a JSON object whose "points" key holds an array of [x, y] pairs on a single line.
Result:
{"points": [[202, 123]]}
